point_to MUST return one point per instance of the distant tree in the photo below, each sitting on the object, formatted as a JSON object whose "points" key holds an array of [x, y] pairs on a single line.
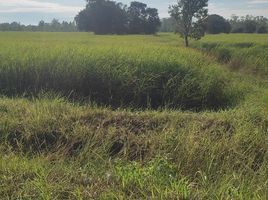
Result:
{"points": [[250, 26], [262, 29], [14, 26], [109, 17], [190, 16], [41, 25], [216, 24], [55, 25], [238, 29], [137, 17], [168, 25], [152, 21], [102, 17], [83, 21], [68, 26]]}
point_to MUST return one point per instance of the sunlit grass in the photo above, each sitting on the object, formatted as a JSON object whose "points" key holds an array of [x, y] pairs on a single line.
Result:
{"points": [[246, 53], [61, 138], [126, 71]]}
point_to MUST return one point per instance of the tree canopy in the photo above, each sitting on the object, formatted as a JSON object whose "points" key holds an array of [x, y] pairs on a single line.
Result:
{"points": [[190, 16], [216, 24], [249, 24], [110, 17]]}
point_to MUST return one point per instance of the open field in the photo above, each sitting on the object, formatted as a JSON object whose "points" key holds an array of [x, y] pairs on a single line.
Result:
{"points": [[242, 52], [137, 72], [133, 117]]}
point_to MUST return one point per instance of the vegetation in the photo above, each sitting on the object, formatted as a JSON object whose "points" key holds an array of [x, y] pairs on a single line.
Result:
{"points": [[168, 25], [109, 17], [56, 145], [249, 54], [53, 26], [216, 24], [189, 16], [105, 71], [249, 24]]}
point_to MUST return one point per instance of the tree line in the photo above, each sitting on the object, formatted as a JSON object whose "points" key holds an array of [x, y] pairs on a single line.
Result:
{"points": [[188, 17], [53, 26], [215, 24], [248, 24], [110, 17]]}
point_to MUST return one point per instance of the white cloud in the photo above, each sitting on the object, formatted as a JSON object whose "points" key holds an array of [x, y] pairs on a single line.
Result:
{"points": [[257, 1], [246, 10], [26, 6]]}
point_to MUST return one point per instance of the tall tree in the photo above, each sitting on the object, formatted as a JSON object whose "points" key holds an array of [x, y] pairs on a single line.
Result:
{"points": [[109, 17], [137, 17], [102, 17], [152, 21], [216, 24], [190, 16], [142, 19]]}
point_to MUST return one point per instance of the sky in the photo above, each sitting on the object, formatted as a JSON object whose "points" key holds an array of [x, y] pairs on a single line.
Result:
{"points": [[32, 11]]}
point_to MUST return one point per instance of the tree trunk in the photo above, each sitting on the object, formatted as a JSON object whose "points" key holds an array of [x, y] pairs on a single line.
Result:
{"points": [[186, 41]]}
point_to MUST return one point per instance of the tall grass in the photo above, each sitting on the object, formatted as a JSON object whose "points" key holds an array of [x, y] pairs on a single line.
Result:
{"points": [[115, 73], [242, 52], [52, 148]]}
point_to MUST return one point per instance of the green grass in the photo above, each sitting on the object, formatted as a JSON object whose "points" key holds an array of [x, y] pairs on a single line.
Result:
{"points": [[247, 53], [61, 138], [106, 71]]}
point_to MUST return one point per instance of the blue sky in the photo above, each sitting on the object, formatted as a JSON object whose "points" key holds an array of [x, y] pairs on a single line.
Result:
{"points": [[32, 11]]}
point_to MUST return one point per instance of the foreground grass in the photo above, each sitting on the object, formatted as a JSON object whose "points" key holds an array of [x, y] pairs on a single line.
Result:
{"points": [[54, 147]]}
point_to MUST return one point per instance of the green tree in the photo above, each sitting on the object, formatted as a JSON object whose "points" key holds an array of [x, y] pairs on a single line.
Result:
{"points": [[190, 16], [102, 17], [168, 25], [109, 17], [142, 19], [137, 17], [250, 26], [41, 25], [55, 25], [152, 21], [216, 24], [262, 29]]}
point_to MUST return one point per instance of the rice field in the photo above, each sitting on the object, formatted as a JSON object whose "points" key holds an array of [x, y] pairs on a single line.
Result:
{"points": [[108, 72], [133, 117], [242, 52]]}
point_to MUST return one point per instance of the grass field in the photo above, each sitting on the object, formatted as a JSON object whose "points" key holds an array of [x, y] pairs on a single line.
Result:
{"points": [[133, 117], [242, 52]]}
